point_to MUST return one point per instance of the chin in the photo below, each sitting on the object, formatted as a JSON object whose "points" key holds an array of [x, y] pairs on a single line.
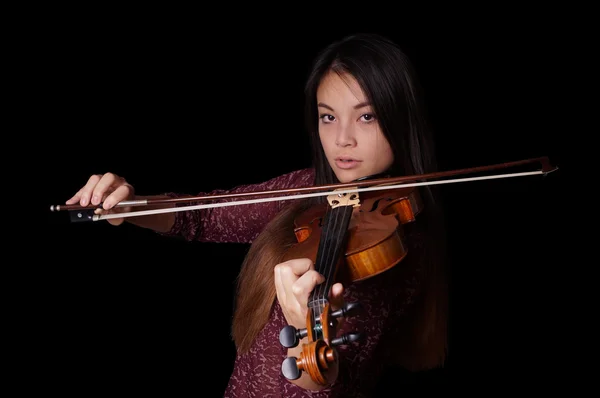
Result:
{"points": [[347, 176]]}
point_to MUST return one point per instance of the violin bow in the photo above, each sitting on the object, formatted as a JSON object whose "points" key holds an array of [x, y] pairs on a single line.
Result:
{"points": [[86, 213]]}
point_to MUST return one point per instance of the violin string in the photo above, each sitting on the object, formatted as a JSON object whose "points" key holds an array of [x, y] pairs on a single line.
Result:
{"points": [[335, 236], [337, 232], [314, 302], [98, 217], [324, 258], [334, 254], [327, 253]]}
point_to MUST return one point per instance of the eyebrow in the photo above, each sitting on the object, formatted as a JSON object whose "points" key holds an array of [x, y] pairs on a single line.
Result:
{"points": [[357, 106]]}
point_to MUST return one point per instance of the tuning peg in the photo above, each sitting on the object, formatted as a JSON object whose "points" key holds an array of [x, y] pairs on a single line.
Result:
{"points": [[314, 359], [290, 336], [346, 338], [346, 310], [290, 369]]}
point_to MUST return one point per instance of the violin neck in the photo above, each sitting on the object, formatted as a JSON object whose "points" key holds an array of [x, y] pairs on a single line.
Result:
{"points": [[334, 233]]}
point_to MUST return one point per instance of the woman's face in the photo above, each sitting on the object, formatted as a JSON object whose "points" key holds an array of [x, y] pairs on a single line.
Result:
{"points": [[350, 134]]}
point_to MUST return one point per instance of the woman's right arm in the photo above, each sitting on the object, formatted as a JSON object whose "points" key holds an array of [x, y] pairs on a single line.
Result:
{"points": [[238, 224]]}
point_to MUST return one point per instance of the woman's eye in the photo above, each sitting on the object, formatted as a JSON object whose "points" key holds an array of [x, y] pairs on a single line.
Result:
{"points": [[327, 118], [368, 117]]}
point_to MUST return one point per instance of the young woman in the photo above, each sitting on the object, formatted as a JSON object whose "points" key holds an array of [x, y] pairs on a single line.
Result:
{"points": [[366, 119]]}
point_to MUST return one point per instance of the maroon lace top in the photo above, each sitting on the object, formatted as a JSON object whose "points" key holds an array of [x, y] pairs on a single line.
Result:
{"points": [[384, 300]]}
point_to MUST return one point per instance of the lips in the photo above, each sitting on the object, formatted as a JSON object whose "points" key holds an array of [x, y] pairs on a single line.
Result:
{"points": [[345, 162], [346, 159]]}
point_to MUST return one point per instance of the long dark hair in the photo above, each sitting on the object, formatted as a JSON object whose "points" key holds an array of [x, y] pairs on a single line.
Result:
{"points": [[391, 84], [389, 81]]}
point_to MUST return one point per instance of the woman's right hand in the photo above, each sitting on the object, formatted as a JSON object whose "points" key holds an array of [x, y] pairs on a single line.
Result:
{"points": [[108, 189]]}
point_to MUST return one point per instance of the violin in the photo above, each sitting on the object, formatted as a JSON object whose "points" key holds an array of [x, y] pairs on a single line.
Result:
{"points": [[357, 234]]}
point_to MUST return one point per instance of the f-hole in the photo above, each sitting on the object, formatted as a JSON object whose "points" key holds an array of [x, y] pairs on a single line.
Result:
{"points": [[375, 205]]}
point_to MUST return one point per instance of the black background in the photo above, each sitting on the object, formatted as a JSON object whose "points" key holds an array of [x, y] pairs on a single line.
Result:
{"points": [[178, 103]]}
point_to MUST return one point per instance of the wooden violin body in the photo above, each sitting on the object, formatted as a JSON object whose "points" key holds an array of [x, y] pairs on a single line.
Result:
{"points": [[375, 239]]}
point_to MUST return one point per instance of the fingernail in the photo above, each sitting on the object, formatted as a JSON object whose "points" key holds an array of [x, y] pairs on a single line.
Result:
{"points": [[84, 200], [95, 200]]}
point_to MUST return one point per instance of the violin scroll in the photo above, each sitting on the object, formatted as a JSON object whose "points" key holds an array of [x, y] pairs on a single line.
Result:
{"points": [[320, 352], [314, 360]]}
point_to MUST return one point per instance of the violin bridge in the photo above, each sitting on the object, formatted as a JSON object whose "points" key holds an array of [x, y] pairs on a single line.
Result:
{"points": [[346, 197]]}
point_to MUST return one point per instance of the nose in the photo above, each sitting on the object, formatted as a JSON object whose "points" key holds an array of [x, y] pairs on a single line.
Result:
{"points": [[345, 136]]}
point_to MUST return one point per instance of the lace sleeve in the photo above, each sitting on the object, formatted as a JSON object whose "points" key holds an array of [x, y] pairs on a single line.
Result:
{"points": [[235, 224]]}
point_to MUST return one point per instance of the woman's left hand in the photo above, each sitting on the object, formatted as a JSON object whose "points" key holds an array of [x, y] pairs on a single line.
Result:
{"points": [[294, 281]]}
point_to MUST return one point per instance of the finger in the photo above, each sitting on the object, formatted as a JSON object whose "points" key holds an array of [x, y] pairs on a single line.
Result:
{"points": [[306, 284], [287, 275], [279, 285], [300, 266], [121, 193], [336, 296], [74, 199], [104, 209], [85, 193], [104, 186]]}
